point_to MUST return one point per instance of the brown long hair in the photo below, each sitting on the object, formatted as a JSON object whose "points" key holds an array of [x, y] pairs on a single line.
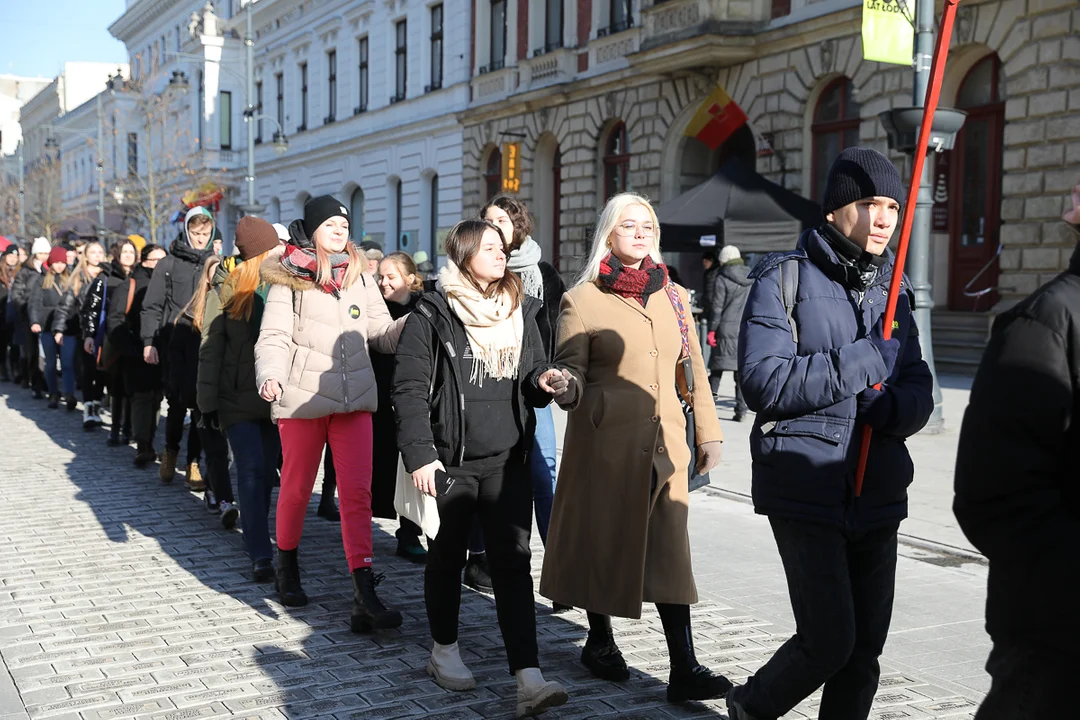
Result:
{"points": [[244, 281], [7, 274], [462, 245], [406, 266], [51, 281], [196, 307], [81, 274], [519, 216]]}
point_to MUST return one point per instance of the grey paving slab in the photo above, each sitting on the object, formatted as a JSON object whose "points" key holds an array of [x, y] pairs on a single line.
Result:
{"points": [[123, 598]]}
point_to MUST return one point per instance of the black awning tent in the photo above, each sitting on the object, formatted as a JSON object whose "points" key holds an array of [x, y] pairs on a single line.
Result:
{"points": [[735, 206]]}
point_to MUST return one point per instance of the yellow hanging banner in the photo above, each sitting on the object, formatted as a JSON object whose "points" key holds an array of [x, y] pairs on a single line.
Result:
{"points": [[887, 34]]}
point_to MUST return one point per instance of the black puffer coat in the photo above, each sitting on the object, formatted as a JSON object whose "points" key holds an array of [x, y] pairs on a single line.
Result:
{"points": [[730, 288], [44, 302], [20, 288], [173, 283], [68, 316]]}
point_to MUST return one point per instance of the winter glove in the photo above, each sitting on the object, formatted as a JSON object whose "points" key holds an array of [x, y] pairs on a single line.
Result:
{"points": [[889, 349], [708, 456], [210, 421], [711, 339], [874, 407]]}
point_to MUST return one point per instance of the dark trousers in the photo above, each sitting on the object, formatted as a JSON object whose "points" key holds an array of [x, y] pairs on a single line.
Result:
{"points": [[500, 488], [714, 384], [1029, 682], [174, 430], [93, 380], [144, 417], [256, 448], [32, 376], [216, 446], [841, 587]]}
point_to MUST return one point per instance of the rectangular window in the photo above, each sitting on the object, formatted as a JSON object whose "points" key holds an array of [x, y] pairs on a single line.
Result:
{"points": [[498, 35], [303, 98], [621, 18], [401, 61], [258, 111], [200, 109], [436, 46], [553, 25], [363, 84], [434, 228], [133, 155], [177, 38], [279, 80], [225, 113], [331, 86]]}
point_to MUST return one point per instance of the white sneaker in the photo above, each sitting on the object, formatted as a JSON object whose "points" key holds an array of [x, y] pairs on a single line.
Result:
{"points": [[447, 670], [229, 515], [97, 415], [88, 420], [536, 695]]}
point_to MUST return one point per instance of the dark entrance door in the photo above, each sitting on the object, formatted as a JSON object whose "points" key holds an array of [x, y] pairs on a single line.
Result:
{"points": [[975, 195]]}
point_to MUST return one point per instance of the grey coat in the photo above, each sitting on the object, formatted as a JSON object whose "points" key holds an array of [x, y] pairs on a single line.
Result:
{"points": [[730, 288]]}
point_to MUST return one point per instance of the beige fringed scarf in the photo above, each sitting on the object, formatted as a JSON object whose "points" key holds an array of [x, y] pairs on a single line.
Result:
{"points": [[495, 333]]}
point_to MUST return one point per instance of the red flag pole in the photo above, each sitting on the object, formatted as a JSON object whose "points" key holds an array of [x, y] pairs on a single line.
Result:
{"points": [[933, 94]]}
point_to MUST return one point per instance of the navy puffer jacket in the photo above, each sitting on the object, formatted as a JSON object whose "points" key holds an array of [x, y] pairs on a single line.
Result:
{"points": [[806, 438]]}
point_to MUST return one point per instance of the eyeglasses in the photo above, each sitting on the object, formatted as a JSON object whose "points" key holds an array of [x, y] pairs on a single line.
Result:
{"points": [[629, 229]]}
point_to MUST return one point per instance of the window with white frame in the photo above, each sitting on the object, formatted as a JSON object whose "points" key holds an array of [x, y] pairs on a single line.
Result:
{"points": [[436, 48], [363, 77], [401, 57], [225, 113], [331, 85], [553, 25], [280, 82], [303, 98], [497, 36]]}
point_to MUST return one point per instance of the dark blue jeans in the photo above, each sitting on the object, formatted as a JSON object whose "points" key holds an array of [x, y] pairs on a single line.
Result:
{"points": [[256, 447], [841, 586], [66, 351]]}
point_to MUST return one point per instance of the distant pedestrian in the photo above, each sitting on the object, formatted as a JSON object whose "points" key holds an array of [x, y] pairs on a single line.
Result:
{"points": [[1018, 496], [45, 295], [30, 275], [730, 288], [67, 320]]}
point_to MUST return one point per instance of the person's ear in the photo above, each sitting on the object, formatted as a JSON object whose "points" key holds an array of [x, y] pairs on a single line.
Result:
{"points": [[831, 217]]}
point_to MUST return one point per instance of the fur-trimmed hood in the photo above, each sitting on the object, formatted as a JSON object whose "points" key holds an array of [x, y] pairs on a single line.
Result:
{"points": [[274, 273]]}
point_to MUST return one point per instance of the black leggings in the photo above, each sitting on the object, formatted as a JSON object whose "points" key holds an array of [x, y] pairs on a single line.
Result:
{"points": [[93, 380]]}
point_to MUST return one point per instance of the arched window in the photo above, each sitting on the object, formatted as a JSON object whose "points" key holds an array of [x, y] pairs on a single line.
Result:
{"points": [[835, 127], [493, 173], [356, 212], [616, 161]]}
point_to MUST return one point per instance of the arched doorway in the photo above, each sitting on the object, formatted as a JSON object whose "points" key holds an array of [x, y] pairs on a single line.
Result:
{"points": [[547, 194], [974, 197], [356, 211]]}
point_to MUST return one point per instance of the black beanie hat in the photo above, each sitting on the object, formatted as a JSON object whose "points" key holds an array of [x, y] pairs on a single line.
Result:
{"points": [[861, 173], [318, 210]]}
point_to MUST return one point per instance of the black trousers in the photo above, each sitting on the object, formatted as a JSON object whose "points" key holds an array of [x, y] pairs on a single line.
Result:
{"points": [[1029, 682], [174, 430], [216, 446], [93, 380], [144, 417], [714, 385], [500, 488], [841, 586]]}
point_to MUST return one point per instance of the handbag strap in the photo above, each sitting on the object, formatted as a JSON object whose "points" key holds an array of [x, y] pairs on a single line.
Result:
{"points": [[131, 295], [680, 315]]}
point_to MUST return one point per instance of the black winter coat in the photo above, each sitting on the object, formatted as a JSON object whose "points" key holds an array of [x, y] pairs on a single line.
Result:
{"points": [[20, 288], [1017, 484], [730, 288], [428, 398], [68, 316], [174, 282], [44, 302], [112, 286], [547, 320]]}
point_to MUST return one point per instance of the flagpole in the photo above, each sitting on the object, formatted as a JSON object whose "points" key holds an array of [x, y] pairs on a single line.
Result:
{"points": [[933, 94]]}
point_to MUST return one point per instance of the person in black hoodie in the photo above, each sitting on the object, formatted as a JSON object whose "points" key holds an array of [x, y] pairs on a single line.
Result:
{"points": [[730, 287], [401, 287], [67, 320], [45, 294], [9, 268], [171, 288], [1018, 496], [31, 274], [469, 370], [142, 381]]}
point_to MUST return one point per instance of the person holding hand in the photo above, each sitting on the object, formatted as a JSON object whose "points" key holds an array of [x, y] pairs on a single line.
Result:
{"points": [[633, 365], [469, 372]]}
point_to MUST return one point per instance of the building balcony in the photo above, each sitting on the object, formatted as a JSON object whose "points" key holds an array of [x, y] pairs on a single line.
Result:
{"points": [[681, 34], [553, 67], [494, 85], [612, 45]]}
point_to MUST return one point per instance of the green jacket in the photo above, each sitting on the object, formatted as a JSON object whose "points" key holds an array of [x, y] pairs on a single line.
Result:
{"points": [[227, 359]]}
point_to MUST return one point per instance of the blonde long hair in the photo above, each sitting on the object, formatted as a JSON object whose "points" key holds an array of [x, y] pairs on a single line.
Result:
{"points": [[196, 307], [609, 218], [82, 270], [324, 273]]}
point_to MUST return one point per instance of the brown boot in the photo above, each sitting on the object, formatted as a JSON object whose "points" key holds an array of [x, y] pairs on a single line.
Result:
{"points": [[194, 479], [168, 466]]}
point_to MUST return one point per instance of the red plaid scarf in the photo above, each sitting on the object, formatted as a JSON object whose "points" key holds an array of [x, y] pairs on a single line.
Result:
{"points": [[630, 283], [302, 263]]}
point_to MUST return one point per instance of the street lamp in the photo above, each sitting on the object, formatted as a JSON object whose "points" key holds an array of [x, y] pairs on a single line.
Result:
{"points": [[118, 195], [178, 83], [281, 143]]}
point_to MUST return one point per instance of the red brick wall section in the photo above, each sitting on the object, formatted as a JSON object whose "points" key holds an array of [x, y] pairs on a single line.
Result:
{"points": [[584, 24], [523, 29]]}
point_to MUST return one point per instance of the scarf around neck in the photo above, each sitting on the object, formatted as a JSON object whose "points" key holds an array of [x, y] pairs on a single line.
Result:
{"points": [[494, 329], [635, 284], [860, 267], [301, 262], [525, 262]]}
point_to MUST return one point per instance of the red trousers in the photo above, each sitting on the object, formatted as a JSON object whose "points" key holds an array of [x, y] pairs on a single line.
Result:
{"points": [[302, 443]]}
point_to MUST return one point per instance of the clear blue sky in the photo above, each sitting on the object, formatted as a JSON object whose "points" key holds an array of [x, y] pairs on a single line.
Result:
{"points": [[40, 35]]}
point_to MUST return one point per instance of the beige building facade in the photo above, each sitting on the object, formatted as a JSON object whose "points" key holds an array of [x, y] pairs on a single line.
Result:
{"points": [[610, 113]]}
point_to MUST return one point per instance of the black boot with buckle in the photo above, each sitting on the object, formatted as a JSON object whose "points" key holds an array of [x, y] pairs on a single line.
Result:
{"points": [[600, 654], [368, 611], [689, 679]]}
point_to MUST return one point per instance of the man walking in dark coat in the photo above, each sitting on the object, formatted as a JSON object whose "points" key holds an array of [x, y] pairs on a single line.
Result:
{"points": [[1018, 497], [811, 349], [730, 287]]}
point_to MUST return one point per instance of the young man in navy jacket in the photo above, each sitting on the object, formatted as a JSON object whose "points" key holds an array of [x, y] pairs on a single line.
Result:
{"points": [[811, 348]]}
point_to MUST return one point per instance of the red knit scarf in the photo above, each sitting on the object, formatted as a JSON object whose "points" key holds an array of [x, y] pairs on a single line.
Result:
{"points": [[636, 284], [302, 263]]}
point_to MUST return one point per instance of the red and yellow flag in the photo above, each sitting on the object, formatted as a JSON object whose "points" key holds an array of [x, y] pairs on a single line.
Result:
{"points": [[717, 118]]}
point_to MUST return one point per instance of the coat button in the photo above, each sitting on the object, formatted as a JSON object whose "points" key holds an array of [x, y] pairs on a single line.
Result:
{"points": [[660, 450], [654, 419], [654, 386], [871, 301], [653, 353], [836, 435]]}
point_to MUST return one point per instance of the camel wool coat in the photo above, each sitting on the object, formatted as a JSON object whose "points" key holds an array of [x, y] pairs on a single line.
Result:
{"points": [[615, 539]]}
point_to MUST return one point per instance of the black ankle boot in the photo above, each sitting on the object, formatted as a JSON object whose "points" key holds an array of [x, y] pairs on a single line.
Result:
{"points": [[290, 592], [54, 401], [409, 547], [328, 509], [603, 658], [689, 679], [70, 402], [368, 611]]}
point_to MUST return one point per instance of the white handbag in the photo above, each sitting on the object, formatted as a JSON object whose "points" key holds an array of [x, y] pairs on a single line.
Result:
{"points": [[415, 505]]}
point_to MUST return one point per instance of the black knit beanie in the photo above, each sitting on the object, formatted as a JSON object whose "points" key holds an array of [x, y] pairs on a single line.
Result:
{"points": [[318, 210], [861, 173]]}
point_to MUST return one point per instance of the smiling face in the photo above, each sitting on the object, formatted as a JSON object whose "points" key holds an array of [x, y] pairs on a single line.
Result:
{"points": [[634, 236], [332, 235], [58, 267], [95, 255], [489, 263], [869, 223], [127, 256], [11, 259], [394, 285]]}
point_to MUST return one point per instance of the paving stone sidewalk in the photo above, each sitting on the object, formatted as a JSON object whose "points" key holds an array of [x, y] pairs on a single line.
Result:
{"points": [[123, 598]]}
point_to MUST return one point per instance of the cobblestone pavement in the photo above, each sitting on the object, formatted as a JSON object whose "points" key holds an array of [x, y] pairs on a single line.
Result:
{"points": [[123, 598]]}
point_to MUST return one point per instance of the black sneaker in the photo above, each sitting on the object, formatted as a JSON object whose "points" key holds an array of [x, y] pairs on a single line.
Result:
{"points": [[54, 401], [211, 502], [409, 547], [477, 575], [229, 514], [263, 570]]}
